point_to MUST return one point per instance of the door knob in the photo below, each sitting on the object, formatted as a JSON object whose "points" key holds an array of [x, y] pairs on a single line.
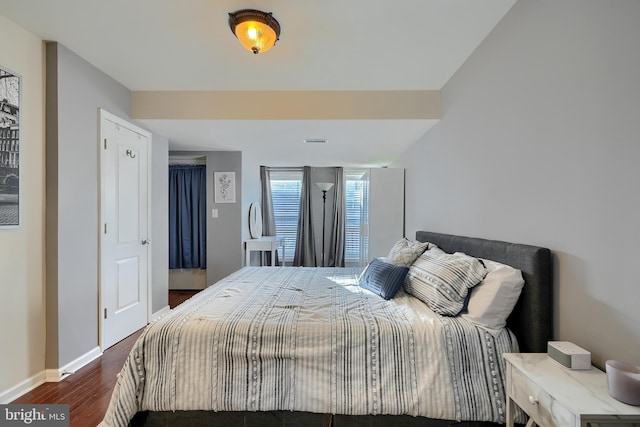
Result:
{"points": [[146, 241]]}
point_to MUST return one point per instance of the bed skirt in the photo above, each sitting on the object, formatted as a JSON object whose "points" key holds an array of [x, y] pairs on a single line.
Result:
{"points": [[287, 418]]}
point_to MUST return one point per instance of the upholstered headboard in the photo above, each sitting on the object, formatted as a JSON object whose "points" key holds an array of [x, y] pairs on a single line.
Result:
{"points": [[531, 319]]}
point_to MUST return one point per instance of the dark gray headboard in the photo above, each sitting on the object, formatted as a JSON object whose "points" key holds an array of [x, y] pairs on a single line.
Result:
{"points": [[531, 319]]}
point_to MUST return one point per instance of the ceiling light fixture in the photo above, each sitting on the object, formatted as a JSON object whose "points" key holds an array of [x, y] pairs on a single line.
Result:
{"points": [[257, 31]]}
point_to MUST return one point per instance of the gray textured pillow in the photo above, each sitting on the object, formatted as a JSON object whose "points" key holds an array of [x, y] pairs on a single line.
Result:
{"points": [[442, 281], [405, 251]]}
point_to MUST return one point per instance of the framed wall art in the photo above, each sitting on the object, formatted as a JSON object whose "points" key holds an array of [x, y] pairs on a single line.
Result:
{"points": [[9, 149], [225, 187]]}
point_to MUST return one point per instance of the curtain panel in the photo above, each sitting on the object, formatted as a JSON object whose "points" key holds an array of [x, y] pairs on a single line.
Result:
{"points": [[305, 255], [187, 216], [266, 201], [266, 204], [337, 239]]}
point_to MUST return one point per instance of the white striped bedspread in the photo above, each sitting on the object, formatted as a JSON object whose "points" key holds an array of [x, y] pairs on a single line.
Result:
{"points": [[310, 339]]}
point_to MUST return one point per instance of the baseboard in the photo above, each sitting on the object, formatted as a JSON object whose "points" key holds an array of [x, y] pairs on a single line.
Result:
{"points": [[187, 279], [158, 314], [56, 375], [25, 386]]}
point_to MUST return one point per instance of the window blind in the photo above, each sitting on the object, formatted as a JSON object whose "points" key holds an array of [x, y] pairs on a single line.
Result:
{"points": [[286, 185]]}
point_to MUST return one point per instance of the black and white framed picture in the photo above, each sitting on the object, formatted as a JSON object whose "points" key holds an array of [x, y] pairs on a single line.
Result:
{"points": [[225, 187], [9, 149]]}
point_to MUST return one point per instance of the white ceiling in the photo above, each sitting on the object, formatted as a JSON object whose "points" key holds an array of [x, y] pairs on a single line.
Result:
{"points": [[324, 45]]}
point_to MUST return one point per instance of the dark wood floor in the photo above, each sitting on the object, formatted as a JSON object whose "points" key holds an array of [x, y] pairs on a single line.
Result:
{"points": [[88, 391]]}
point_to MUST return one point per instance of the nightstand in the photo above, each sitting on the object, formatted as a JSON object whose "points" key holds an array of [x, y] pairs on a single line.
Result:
{"points": [[555, 396]]}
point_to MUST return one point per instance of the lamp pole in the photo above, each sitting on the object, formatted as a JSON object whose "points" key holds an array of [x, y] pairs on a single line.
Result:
{"points": [[324, 209], [324, 186]]}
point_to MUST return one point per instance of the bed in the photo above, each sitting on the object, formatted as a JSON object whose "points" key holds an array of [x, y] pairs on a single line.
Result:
{"points": [[308, 346]]}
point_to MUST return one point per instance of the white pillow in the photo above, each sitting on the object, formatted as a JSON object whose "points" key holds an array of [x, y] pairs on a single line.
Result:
{"points": [[493, 299]]}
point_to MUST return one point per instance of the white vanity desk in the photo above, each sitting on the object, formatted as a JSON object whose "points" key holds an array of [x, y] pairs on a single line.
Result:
{"points": [[264, 243], [555, 396]]}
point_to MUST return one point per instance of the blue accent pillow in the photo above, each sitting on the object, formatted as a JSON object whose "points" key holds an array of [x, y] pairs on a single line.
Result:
{"points": [[383, 279]]}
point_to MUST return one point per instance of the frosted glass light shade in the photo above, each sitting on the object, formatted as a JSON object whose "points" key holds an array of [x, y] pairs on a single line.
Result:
{"points": [[324, 186], [255, 30]]}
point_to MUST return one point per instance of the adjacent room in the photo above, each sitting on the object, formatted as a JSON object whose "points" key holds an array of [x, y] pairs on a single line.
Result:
{"points": [[315, 182]]}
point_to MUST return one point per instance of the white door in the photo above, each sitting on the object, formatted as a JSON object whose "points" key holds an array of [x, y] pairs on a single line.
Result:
{"points": [[125, 226]]}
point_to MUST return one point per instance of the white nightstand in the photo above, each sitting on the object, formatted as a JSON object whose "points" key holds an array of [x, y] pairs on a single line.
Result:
{"points": [[264, 243], [555, 396]]}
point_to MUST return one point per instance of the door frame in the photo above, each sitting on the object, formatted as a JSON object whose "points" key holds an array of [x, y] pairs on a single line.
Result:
{"points": [[104, 114]]}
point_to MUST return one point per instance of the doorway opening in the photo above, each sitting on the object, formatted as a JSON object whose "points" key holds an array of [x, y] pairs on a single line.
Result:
{"points": [[187, 222]]}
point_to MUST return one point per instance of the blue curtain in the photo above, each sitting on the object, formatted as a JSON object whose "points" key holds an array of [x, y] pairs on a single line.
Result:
{"points": [[187, 216]]}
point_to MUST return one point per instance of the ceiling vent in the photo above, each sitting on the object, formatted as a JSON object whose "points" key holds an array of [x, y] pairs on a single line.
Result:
{"points": [[315, 140]]}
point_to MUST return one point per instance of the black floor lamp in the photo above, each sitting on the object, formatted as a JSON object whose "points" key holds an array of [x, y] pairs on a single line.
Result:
{"points": [[324, 186]]}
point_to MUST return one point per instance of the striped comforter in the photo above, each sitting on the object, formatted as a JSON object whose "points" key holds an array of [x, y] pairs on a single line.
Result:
{"points": [[310, 339]]}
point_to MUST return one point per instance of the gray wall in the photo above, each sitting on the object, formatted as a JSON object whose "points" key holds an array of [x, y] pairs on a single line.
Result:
{"points": [[159, 222], [224, 246], [386, 210], [538, 144], [75, 92], [224, 241]]}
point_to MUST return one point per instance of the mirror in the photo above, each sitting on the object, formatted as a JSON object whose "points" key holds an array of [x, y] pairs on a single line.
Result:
{"points": [[255, 221]]}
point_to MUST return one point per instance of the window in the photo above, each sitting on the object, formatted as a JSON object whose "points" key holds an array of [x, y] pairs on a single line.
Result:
{"points": [[356, 206], [286, 185]]}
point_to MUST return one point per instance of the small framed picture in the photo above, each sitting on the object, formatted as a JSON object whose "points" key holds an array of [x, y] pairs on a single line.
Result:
{"points": [[225, 187]]}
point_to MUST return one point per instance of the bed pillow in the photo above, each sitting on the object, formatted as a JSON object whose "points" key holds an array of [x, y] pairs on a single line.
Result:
{"points": [[492, 301], [405, 251], [383, 278], [442, 280]]}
